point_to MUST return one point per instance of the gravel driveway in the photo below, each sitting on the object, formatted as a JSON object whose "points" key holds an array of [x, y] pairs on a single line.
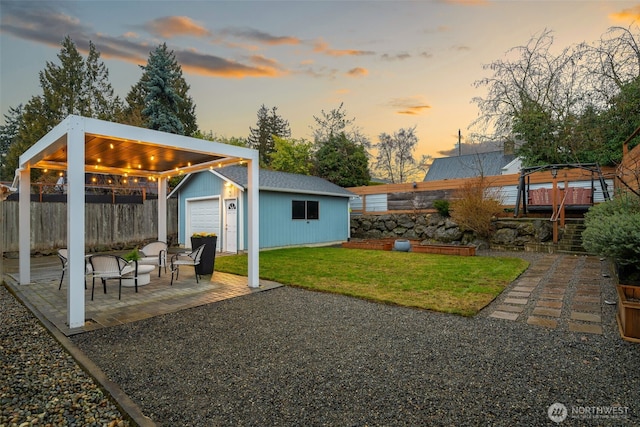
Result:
{"points": [[290, 357]]}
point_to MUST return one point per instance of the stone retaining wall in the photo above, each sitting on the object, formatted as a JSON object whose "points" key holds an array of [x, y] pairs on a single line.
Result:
{"points": [[510, 233]]}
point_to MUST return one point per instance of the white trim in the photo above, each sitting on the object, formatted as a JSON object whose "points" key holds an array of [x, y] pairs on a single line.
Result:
{"points": [[75, 223], [180, 184], [227, 179], [253, 178], [162, 209], [24, 225]]}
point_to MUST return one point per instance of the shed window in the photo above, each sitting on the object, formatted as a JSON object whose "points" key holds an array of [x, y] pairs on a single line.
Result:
{"points": [[305, 209]]}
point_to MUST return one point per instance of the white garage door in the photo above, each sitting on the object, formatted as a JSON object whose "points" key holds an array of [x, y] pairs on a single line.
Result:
{"points": [[202, 216]]}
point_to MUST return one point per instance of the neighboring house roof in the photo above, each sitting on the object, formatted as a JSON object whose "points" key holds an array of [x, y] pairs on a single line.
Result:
{"points": [[279, 181], [469, 165], [513, 166]]}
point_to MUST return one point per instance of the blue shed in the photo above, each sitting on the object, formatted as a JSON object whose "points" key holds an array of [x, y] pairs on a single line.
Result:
{"points": [[295, 210]]}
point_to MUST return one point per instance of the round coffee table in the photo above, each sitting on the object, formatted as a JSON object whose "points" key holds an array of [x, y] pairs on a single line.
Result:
{"points": [[144, 276]]}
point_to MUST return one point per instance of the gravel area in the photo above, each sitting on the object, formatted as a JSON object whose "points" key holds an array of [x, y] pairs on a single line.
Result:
{"points": [[290, 357], [40, 383], [294, 357]]}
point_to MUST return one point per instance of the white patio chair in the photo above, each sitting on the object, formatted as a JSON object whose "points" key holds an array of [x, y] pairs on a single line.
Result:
{"points": [[154, 253], [186, 258], [106, 267], [63, 255]]}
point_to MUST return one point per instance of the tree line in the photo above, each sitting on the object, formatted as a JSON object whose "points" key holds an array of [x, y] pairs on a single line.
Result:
{"points": [[574, 106], [160, 100]]}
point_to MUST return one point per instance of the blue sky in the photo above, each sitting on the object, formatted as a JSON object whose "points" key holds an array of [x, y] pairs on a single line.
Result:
{"points": [[394, 64]]}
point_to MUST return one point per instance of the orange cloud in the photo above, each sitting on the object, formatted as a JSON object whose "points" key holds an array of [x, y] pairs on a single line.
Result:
{"points": [[411, 106], [625, 15], [357, 72], [414, 110], [172, 26], [210, 65], [233, 70], [263, 61], [323, 47]]}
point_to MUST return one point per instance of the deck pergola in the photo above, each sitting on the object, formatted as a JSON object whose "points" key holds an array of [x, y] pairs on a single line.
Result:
{"points": [[80, 145]]}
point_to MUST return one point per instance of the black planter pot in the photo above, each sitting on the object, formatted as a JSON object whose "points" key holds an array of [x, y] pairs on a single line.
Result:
{"points": [[208, 259]]}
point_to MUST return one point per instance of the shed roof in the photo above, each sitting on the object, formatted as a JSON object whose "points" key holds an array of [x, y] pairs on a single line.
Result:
{"points": [[469, 165], [279, 181]]}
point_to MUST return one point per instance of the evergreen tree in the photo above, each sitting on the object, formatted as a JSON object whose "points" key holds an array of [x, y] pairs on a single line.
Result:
{"points": [[8, 135], [163, 91], [98, 91], [75, 86], [333, 124], [267, 126], [343, 162], [161, 100], [63, 90]]}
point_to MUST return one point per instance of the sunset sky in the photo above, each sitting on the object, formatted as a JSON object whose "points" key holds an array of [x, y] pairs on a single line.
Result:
{"points": [[394, 64]]}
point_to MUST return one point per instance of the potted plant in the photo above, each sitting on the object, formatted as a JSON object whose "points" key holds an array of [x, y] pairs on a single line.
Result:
{"points": [[208, 258], [133, 255], [613, 230]]}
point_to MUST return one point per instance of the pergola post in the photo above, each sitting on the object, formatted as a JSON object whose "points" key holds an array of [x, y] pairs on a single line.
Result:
{"points": [[75, 223], [254, 222], [24, 226], [162, 209]]}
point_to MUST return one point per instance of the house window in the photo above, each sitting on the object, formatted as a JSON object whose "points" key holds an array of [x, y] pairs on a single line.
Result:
{"points": [[305, 209]]}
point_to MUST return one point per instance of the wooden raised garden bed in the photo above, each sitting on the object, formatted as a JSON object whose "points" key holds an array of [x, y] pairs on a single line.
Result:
{"points": [[445, 249], [380, 245], [629, 312]]}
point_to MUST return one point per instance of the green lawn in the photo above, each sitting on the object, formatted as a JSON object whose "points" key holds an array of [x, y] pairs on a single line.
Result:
{"points": [[450, 284]]}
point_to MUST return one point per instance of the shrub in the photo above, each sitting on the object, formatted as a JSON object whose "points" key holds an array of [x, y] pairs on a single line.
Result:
{"points": [[613, 230], [442, 206], [474, 207]]}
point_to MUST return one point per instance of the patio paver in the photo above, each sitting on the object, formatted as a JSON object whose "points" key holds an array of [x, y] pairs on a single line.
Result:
{"points": [[154, 299]]}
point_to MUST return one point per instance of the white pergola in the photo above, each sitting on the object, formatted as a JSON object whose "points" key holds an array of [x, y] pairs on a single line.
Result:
{"points": [[82, 145]]}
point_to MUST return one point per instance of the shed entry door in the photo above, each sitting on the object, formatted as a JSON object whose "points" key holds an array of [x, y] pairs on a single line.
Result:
{"points": [[231, 225], [202, 216]]}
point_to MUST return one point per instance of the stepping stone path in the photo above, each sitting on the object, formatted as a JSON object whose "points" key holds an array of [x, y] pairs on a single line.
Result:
{"points": [[557, 291]]}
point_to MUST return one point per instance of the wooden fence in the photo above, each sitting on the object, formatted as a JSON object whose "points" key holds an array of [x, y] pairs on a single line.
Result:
{"points": [[107, 226], [628, 173], [419, 196]]}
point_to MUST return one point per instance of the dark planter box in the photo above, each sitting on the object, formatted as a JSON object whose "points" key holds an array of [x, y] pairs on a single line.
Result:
{"points": [[445, 249], [371, 244], [208, 259]]}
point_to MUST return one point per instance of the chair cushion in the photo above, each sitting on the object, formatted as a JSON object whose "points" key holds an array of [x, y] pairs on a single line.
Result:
{"points": [[149, 260]]}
